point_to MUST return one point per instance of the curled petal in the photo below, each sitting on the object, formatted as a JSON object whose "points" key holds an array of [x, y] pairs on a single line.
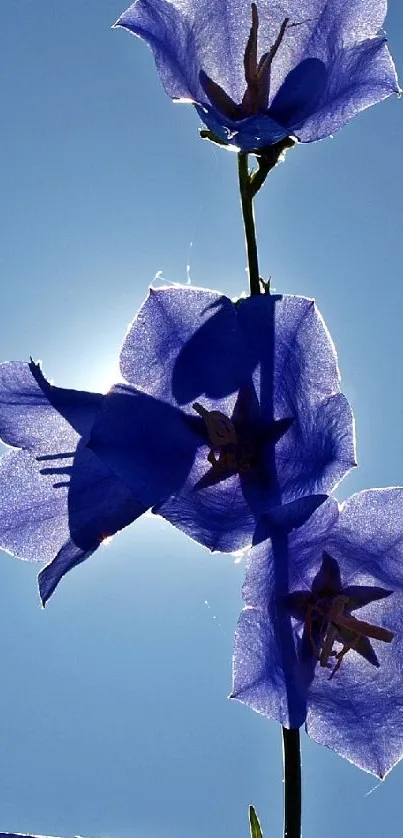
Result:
{"points": [[57, 500], [38, 416]]}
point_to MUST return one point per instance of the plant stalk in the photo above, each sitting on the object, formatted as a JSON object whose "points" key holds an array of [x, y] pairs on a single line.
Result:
{"points": [[292, 783]]}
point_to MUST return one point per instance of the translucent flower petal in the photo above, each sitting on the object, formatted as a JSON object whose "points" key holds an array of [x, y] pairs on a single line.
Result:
{"points": [[57, 500], [328, 67], [358, 712]]}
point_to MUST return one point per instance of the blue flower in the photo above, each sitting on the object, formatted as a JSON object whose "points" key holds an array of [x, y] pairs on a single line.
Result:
{"points": [[229, 411], [257, 386], [58, 502], [320, 640], [263, 72]]}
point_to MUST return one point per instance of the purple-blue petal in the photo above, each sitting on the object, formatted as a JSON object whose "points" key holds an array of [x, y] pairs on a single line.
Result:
{"points": [[252, 133], [329, 66], [191, 343], [287, 517], [99, 505], [299, 94], [147, 443], [169, 34], [358, 77], [318, 450], [306, 540], [295, 358], [359, 712], [57, 500], [185, 342], [260, 675], [297, 376], [38, 416], [34, 522], [217, 516]]}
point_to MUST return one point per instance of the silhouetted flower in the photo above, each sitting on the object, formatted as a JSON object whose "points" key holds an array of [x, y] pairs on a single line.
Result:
{"points": [[257, 383], [58, 502], [260, 72], [231, 411], [320, 639]]}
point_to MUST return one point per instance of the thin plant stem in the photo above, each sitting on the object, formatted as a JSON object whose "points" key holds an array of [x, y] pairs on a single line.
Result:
{"points": [[249, 185], [292, 783], [249, 222]]}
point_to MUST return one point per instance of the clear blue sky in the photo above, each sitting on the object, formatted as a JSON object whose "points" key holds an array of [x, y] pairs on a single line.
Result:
{"points": [[114, 720]]}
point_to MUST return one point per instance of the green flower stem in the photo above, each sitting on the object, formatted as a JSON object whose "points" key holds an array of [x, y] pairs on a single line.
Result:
{"points": [[249, 185], [249, 222], [292, 783]]}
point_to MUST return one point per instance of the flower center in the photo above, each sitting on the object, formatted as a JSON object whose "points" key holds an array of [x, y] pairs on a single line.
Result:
{"points": [[228, 451], [336, 625]]}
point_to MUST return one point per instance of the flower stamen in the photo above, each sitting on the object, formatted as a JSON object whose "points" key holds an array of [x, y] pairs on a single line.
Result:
{"points": [[221, 430], [228, 452], [339, 626], [257, 74]]}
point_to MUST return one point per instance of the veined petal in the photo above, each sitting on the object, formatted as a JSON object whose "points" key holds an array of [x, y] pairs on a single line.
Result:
{"points": [[319, 77], [297, 376], [184, 342], [57, 500], [358, 712], [361, 715], [259, 674], [217, 516], [281, 332], [34, 520], [59, 509], [357, 78], [186, 36], [99, 505], [38, 416], [188, 344], [318, 450], [307, 539], [166, 29]]}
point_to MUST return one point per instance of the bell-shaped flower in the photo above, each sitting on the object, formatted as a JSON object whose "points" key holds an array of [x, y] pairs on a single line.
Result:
{"points": [[58, 501], [229, 411], [260, 72], [257, 385], [320, 640]]}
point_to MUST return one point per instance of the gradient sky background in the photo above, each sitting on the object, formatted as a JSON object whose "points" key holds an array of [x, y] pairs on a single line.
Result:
{"points": [[114, 720]]}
